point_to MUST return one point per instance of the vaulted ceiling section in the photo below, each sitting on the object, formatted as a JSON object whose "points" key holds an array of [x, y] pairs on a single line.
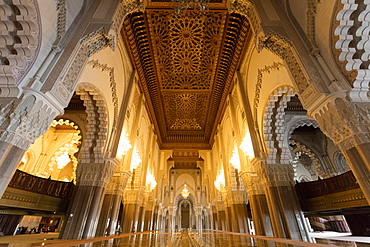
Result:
{"points": [[186, 65]]}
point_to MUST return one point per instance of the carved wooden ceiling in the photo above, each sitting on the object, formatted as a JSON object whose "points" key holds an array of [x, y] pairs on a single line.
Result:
{"points": [[186, 64]]}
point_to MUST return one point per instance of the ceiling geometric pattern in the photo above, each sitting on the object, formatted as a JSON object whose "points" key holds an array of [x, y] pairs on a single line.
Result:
{"points": [[186, 65]]}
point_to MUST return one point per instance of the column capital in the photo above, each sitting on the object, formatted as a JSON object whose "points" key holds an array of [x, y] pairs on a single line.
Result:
{"points": [[118, 183], [276, 175], [346, 123], [135, 196], [96, 174]]}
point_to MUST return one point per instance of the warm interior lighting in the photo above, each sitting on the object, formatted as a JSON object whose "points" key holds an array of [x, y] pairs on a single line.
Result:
{"points": [[62, 160], [135, 160], [234, 160], [220, 180], [185, 192], [247, 146], [150, 180], [124, 145]]}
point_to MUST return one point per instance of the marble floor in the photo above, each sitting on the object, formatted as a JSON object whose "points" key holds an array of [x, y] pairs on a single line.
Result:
{"points": [[180, 239]]}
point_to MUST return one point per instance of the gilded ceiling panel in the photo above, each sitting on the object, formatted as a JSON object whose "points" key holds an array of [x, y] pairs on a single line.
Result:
{"points": [[186, 65]]}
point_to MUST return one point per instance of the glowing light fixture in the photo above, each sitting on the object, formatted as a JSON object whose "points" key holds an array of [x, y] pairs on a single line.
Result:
{"points": [[247, 146], [135, 160], [185, 192], [220, 180], [124, 144], [150, 180], [63, 160], [234, 160]]}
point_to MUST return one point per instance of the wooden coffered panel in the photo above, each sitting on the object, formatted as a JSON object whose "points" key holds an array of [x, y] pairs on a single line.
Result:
{"points": [[186, 64]]}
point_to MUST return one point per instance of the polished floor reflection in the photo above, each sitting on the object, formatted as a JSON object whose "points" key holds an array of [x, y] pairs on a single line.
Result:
{"points": [[185, 239], [181, 239]]}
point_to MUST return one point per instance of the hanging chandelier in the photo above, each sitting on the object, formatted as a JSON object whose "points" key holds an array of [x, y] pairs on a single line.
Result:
{"points": [[185, 192], [63, 160], [182, 5]]}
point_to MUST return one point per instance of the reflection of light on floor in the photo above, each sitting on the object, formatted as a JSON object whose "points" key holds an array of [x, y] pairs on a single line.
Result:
{"points": [[334, 238], [206, 239]]}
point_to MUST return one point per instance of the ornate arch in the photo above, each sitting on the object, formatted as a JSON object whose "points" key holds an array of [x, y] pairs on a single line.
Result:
{"points": [[20, 39], [352, 29], [303, 149], [300, 123], [275, 127], [299, 66], [92, 149]]}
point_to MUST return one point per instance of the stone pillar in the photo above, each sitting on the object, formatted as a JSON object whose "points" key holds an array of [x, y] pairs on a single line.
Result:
{"points": [[285, 213], [83, 214], [148, 212], [10, 156], [22, 121], [258, 204], [215, 225], [132, 200], [172, 216], [111, 204], [198, 217], [221, 216], [154, 225], [347, 124], [238, 209], [228, 216]]}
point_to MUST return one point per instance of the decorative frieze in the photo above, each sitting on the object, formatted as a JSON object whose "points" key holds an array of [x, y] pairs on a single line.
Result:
{"points": [[311, 19], [15, 198], [267, 69], [62, 18]]}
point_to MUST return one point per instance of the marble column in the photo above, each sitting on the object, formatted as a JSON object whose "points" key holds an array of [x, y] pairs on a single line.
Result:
{"points": [[130, 214], [258, 204], [356, 157], [10, 156], [286, 215], [347, 124], [108, 203], [83, 213]]}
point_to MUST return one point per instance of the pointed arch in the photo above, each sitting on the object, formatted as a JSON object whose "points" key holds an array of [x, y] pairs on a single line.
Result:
{"points": [[96, 123], [275, 126], [20, 42]]}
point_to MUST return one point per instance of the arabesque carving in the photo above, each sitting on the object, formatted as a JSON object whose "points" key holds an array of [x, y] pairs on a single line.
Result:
{"points": [[346, 124], [19, 42], [353, 41], [274, 125], [23, 120], [96, 125]]}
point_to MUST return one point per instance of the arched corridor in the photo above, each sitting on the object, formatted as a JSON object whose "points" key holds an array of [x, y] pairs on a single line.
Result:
{"points": [[243, 116]]}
